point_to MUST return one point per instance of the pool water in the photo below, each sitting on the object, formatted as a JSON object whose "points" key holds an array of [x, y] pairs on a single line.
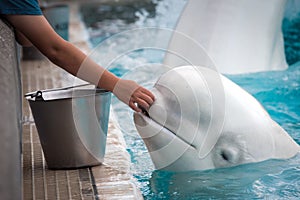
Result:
{"points": [[278, 92]]}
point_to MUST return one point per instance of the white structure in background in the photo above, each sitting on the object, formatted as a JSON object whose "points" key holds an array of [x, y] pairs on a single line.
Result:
{"points": [[240, 36]]}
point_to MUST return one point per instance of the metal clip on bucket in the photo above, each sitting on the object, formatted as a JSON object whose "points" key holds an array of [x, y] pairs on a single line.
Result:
{"points": [[38, 96], [72, 125]]}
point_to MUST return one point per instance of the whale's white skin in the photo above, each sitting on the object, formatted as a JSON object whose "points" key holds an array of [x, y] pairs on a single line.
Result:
{"points": [[240, 36], [202, 120]]}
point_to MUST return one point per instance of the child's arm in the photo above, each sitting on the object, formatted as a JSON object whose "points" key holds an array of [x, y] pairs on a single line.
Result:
{"points": [[62, 53]]}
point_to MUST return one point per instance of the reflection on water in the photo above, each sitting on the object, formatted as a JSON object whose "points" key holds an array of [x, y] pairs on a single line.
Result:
{"points": [[279, 92]]}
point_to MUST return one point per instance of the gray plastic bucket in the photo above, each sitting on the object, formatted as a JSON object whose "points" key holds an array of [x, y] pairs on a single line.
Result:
{"points": [[72, 125]]}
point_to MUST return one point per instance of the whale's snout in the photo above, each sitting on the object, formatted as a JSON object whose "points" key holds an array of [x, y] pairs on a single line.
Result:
{"points": [[139, 120], [151, 121]]}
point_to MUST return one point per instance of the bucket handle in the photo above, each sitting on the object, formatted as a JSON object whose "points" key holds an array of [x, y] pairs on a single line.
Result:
{"points": [[39, 94]]}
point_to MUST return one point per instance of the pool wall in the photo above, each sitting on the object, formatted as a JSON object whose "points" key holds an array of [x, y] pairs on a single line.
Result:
{"points": [[10, 109]]}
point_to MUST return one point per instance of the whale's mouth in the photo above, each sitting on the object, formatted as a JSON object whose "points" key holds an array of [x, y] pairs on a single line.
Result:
{"points": [[144, 112], [150, 120]]}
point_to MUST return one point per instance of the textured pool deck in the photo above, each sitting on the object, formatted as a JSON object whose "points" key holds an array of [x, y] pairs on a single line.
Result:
{"points": [[111, 180]]}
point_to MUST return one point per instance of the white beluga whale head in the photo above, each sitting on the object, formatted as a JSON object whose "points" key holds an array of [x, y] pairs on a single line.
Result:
{"points": [[202, 120]]}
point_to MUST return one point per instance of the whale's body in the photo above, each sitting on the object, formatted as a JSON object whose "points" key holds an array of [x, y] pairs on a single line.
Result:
{"points": [[202, 120], [239, 36]]}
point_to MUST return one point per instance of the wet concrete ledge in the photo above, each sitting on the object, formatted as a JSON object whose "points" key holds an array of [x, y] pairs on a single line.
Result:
{"points": [[111, 180]]}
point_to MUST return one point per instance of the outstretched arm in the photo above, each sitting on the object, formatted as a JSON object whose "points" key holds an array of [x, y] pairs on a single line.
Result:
{"points": [[62, 53]]}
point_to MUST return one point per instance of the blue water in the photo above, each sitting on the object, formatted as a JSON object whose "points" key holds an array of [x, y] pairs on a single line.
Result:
{"points": [[278, 92]]}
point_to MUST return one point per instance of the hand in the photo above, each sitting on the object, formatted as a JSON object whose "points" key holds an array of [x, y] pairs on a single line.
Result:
{"points": [[133, 95]]}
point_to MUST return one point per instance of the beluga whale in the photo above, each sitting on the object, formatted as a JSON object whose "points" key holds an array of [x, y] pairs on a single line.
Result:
{"points": [[202, 120]]}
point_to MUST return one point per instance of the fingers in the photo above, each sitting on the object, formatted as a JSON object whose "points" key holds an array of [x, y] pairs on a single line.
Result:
{"points": [[133, 95], [143, 103], [149, 94], [134, 107], [143, 97]]}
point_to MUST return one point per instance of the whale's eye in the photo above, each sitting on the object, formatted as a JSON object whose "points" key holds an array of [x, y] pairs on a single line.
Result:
{"points": [[229, 150], [230, 155], [225, 155]]}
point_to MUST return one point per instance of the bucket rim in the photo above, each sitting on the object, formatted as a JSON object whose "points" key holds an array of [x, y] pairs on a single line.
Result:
{"points": [[96, 92]]}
